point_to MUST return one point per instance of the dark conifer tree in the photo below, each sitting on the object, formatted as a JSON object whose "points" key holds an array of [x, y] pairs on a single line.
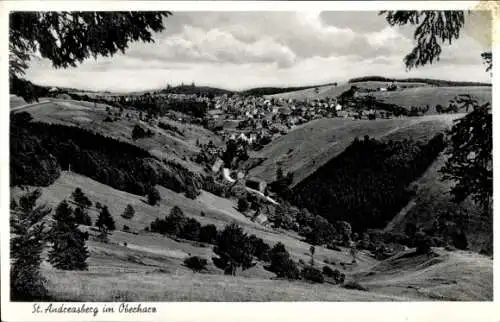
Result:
{"points": [[68, 249], [234, 249], [153, 196], [82, 217], [26, 246], [105, 221], [80, 198]]}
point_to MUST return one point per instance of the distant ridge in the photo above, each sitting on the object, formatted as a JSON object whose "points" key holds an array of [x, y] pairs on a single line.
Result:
{"points": [[435, 82], [192, 89], [261, 91], [267, 90]]}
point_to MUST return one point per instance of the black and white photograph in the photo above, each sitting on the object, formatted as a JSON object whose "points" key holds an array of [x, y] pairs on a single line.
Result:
{"points": [[250, 156]]}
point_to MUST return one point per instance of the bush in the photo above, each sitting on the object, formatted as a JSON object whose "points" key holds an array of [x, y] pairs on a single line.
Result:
{"points": [[126, 228], [336, 275], [196, 263], [98, 205], [352, 285], [108, 119], [312, 274], [138, 132], [129, 212], [327, 271]]}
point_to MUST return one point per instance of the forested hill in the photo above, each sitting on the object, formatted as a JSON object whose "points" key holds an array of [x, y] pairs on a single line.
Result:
{"points": [[39, 151], [367, 184], [434, 82], [261, 91], [193, 89]]}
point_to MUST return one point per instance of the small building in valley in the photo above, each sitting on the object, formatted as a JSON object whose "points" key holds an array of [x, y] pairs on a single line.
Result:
{"points": [[256, 184], [217, 165]]}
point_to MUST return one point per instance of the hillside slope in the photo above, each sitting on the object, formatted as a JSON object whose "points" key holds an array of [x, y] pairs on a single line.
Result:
{"points": [[149, 267], [432, 199], [432, 96], [306, 148], [444, 275], [178, 146], [332, 91]]}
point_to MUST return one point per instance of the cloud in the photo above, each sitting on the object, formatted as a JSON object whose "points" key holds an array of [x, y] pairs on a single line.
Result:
{"points": [[244, 49]]}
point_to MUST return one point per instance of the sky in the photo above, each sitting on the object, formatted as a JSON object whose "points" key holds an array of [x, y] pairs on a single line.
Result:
{"points": [[240, 50]]}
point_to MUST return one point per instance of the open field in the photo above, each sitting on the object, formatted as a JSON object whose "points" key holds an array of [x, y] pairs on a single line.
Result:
{"points": [[443, 275], [422, 96], [334, 91], [306, 148]]}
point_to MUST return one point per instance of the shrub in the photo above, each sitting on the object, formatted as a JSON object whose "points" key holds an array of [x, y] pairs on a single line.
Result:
{"points": [[352, 285], [196, 263], [336, 275], [108, 119], [98, 205], [312, 274], [126, 228], [327, 271], [153, 196], [129, 212], [138, 132], [202, 214]]}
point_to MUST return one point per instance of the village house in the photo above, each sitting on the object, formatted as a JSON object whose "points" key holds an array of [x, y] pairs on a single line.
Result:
{"points": [[256, 184], [217, 165]]}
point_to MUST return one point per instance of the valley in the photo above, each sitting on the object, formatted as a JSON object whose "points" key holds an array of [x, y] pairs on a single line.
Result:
{"points": [[187, 161]]}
